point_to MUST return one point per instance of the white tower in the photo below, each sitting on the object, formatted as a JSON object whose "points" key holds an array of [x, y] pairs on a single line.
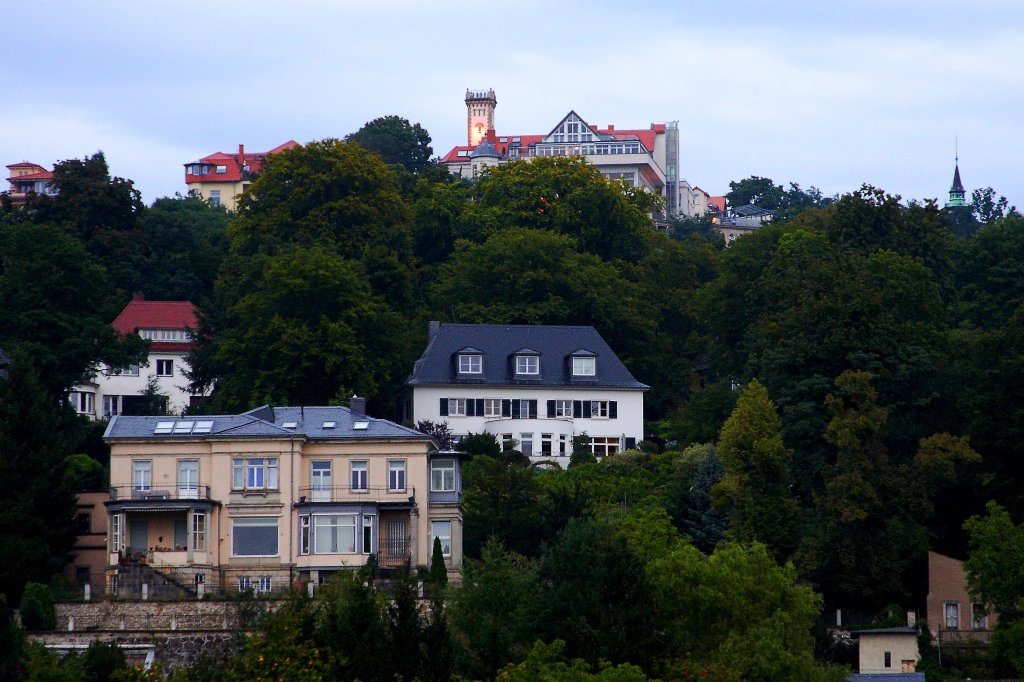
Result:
{"points": [[480, 114]]}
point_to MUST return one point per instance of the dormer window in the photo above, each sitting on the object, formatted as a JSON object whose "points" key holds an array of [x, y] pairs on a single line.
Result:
{"points": [[584, 366], [527, 364], [471, 363], [221, 170]]}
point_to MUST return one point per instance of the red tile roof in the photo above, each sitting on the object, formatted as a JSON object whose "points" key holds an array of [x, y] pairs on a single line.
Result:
{"points": [[39, 175], [718, 203], [156, 315], [233, 169]]}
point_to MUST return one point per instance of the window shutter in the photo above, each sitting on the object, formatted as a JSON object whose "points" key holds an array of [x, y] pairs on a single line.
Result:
{"points": [[577, 409], [515, 409], [533, 409], [506, 408], [551, 408], [479, 407], [613, 409], [470, 407], [444, 407], [587, 406]]}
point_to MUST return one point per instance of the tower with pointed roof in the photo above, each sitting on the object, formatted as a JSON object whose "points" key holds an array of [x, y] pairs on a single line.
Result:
{"points": [[480, 107], [956, 192]]}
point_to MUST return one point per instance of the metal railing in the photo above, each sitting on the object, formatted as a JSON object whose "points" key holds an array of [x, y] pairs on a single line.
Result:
{"points": [[353, 494], [130, 492], [394, 552]]}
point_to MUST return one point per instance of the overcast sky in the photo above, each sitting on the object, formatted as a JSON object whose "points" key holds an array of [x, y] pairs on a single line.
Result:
{"points": [[818, 93]]}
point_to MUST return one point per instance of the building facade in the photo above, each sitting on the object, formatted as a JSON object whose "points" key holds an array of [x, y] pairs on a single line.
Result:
{"points": [[168, 326], [953, 614], [221, 178], [277, 496], [533, 387], [647, 158], [28, 178]]}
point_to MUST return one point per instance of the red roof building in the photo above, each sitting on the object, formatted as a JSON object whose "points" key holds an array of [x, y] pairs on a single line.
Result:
{"points": [[220, 178], [28, 178]]}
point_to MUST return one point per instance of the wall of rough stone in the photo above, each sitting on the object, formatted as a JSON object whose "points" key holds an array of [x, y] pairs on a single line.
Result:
{"points": [[140, 615]]}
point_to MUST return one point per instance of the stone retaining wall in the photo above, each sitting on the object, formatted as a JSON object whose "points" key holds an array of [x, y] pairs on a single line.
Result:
{"points": [[139, 615]]}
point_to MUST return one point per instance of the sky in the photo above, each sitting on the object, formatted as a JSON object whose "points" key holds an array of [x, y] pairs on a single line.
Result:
{"points": [[829, 94]]}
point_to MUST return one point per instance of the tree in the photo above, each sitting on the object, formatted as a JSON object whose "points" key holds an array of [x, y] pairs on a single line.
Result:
{"points": [[37, 608], [476, 444], [12, 645], [547, 663], [439, 431], [987, 208], [755, 489], [755, 190], [697, 470], [36, 522], [502, 501], [581, 451], [396, 141], [438, 567]]}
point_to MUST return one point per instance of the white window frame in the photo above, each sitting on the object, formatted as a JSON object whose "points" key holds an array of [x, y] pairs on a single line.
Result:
{"points": [[264, 583], [188, 485], [112, 405], [321, 479], [527, 365], [546, 442], [492, 407], [165, 367], [246, 470], [442, 476], [441, 529], [142, 475], [359, 475], [603, 446], [563, 408], [244, 583], [471, 363], [456, 407], [305, 534], [396, 475], [116, 533], [369, 536], [256, 521], [84, 402], [526, 443], [584, 366], [599, 409], [198, 531], [340, 527], [951, 608]]}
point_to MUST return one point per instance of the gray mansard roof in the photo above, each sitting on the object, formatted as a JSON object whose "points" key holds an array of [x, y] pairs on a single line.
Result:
{"points": [[264, 422], [500, 343]]}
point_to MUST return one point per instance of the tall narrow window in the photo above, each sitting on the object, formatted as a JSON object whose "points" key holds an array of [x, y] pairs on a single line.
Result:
{"points": [[304, 535], [116, 532], [188, 478], [142, 475], [199, 531], [360, 475], [396, 474], [320, 478], [952, 613], [368, 544]]}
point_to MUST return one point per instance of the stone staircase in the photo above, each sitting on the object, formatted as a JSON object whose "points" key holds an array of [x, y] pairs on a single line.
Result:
{"points": [[132, 576]]}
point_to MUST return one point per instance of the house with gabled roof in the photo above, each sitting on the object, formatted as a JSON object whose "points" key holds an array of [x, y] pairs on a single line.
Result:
{"points": [[534, 387], [168, 326], [27, 178], [643, 157], [274, 497], [221, 178]]}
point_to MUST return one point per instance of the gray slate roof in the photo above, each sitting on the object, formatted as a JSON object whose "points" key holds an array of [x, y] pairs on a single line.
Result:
{"points": [[267, 422], [498, 344]]}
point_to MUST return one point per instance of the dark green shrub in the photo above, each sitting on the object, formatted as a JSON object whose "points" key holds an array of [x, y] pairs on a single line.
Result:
{"points": [[37, 608]]}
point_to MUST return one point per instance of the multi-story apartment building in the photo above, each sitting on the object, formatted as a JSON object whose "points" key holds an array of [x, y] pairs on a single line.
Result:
{"points": [[533, 387], [277, 496], [221, 178], [28, 178], [168, 326], [646, 158]]}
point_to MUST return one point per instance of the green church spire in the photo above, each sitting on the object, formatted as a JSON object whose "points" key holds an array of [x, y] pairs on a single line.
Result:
{"points": [[956, 192]]}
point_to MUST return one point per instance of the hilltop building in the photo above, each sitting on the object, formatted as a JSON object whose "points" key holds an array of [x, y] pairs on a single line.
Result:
{"points": [[28, 178], [221, 178], [533, 387], [956, 191], [647, 158]]}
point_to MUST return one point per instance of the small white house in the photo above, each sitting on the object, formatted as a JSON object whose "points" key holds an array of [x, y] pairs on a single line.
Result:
{"points": [[533, 387], [167, 325]]}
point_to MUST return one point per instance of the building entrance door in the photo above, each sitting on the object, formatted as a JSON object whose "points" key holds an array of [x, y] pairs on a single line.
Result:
{"points": [[138, 536]]}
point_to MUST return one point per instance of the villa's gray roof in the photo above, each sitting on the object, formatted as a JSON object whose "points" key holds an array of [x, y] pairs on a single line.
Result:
{"points": [[485, 150], [499, 343], [268, 422]]}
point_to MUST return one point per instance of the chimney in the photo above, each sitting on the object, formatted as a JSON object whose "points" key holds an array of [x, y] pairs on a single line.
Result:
{"points": [[611, 128], [138, 296], [432, 329], [241, 155], [357, 405]]}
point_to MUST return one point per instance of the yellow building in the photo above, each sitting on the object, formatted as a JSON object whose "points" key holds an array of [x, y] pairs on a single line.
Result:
{"points": [[221, 178], [275, 497]]}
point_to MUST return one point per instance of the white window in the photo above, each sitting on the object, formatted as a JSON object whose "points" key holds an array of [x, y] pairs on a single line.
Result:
{"points": [[527, 364], [111, 405], [83, 402], [244, 583], [471, 364], [442, 476], [142, 474], [360, 475], [602, 446], [396, 474], [132, 371], [334, 533], [526, 443], [443, 531], [264, 583], [165, 368], [599, 409], [456, 407], [188, 478], [254, 536], [368, 544], [584, 366], [979, 616], [563, 444], [952, 615], [255, 473], [492, 407], [215, 197], [199, 531], [545, 444], [221, 170], [320, 480], [563, 408], [116, 532], [304, 535]]}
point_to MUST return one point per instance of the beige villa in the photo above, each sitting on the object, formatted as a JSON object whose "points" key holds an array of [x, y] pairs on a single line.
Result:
{"points": [[275, 497]]}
